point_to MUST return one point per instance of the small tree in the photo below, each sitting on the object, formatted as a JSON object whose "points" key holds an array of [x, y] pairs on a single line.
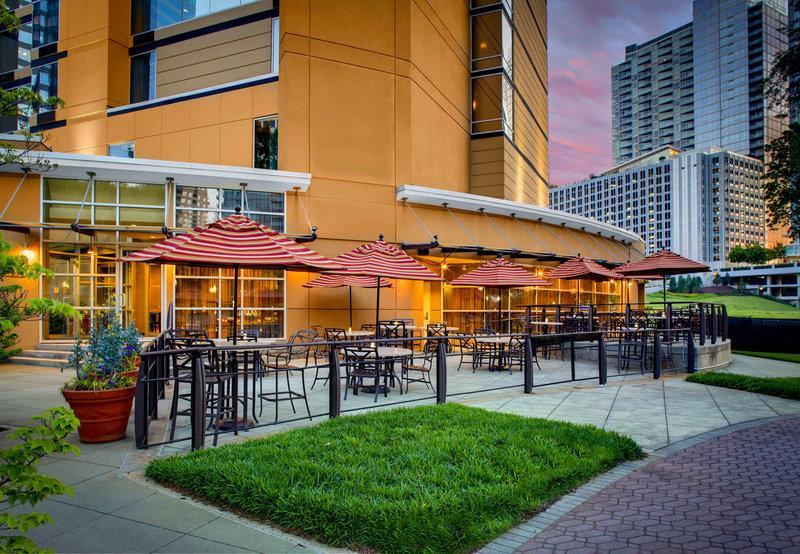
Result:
{"points": [[14, 308], [717, 280], [681, 287], [726, 279], [20, 483], [673, 285], [777, 252], [753, 254]]}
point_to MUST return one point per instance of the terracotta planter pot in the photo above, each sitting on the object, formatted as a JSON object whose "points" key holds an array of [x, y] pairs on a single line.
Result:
{"points": [[134, 373], [103, 414]]}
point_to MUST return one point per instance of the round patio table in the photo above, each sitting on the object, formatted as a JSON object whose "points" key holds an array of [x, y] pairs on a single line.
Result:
{"points": [[360, 334]]}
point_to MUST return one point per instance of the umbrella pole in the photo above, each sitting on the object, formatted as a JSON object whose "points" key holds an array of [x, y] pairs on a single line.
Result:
{"points": [[235, 300], [579, 293], [351, 307], [378, 307], [499, 310], [664, 289]]}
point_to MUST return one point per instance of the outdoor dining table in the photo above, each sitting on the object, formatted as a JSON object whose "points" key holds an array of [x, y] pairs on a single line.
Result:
{"points": [[360, 334], [501, 343], [388, 354]]}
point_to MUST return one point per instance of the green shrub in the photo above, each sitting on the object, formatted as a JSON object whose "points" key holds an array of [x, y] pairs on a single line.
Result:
{"points": [[20, 482], [783, 387]]}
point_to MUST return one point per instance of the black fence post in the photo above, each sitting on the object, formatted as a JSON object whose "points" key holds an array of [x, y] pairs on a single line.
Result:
{"points": [[724, 323], [591, 318], [702, 310], [441, 372], [601, 359], [528, 368], [656, 355], [691, 363], [714, 324], [140, 408], [668, 315], [572, 356], [198, 402], [628, 313], [334, 383]]}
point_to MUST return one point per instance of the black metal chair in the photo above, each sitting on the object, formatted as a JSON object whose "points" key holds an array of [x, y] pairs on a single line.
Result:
{"points": [[632, 349], [464, 345], [283, 361], [220, 401], [361, 362], [421, 366]]}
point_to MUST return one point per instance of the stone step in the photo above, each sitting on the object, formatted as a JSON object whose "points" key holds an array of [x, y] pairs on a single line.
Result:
{"points": [[55, 354], [55, 346], [44, 362]]}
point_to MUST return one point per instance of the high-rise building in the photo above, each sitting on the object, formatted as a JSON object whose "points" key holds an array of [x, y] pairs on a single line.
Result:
{"points": [[699, 204], [733, 43], [794, 80], [422, 121], [652, 95]]}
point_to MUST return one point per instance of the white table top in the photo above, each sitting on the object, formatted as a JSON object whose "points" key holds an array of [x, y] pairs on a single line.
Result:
{"points": [[360, 333], [425, 328], [493, 340], [555, 323], [393, 352], [259, 343]]}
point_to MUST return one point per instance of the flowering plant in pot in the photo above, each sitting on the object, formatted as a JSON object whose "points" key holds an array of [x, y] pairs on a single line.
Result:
{"points": [[101, 393]]}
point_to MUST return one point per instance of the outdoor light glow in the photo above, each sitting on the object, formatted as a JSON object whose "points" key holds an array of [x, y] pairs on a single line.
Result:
{"points": [[213, 289], [29, 254], [444, 265]]}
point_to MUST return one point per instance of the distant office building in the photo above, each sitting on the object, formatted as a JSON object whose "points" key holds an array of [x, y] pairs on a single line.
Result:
{"points": [[652, 95], [794, 38], [712, 98], [698, 204]]}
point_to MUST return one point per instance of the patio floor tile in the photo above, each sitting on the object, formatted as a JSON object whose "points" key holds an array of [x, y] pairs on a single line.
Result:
{"points": [[167, 512], [237, 534], [188, 543], [112, 534]]}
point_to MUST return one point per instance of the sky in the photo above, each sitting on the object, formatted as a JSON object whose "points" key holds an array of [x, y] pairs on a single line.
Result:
{"points": [[587, 37]]}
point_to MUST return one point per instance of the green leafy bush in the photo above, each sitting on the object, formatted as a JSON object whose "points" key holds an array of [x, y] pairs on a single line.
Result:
{"points": [[783, 387], [20, 482], [14, 306], [110, 352], [443, 478]]}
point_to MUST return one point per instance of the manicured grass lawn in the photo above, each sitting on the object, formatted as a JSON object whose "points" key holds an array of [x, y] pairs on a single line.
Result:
{"points": [[784, 387], [737, 305], [443, 478], [784, 356]]}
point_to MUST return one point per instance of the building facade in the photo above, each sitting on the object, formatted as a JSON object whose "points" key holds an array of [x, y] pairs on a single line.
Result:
{"points": [[652, 96], [711, 98], [699, 204], [331, 121]]}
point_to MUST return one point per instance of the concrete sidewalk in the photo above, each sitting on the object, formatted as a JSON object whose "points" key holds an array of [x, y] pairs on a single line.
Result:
{"points": [[115, 510]]}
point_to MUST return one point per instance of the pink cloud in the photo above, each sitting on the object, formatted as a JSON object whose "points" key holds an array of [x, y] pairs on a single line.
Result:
{"points": [[585, 40]]}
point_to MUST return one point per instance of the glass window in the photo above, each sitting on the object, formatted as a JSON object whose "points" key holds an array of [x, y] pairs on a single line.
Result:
{"points": [[153, 14], [265, 153], [143, 77], [121, 150], [492, 104], [199, 206], [44, 81], [141, 194], [492, 42], [45, 22]]}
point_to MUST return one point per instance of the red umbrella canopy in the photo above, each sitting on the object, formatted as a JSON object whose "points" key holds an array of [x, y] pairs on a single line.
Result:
{"points": [[581, 268], [234, 241], [336, 281], [662, 263], [500, 273], [381, 259]]}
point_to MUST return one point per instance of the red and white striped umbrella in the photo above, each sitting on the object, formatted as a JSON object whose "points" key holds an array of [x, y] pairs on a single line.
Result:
{"points": [[662, 263], [581, 268], [234, 241], [381, 259], [500, 273]]}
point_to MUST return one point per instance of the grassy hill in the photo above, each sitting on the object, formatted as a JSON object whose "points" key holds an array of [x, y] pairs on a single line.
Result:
{"points": [[738, 306]]}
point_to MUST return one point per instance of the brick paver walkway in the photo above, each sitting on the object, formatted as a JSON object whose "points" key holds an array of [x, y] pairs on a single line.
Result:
{"points": [[737, 492]]}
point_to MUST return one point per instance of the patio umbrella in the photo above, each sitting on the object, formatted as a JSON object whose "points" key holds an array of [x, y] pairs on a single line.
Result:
{"points": [[381, 259], [349, 281], [502, 274], [662, 263], [580, 268], [234, 241]]}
